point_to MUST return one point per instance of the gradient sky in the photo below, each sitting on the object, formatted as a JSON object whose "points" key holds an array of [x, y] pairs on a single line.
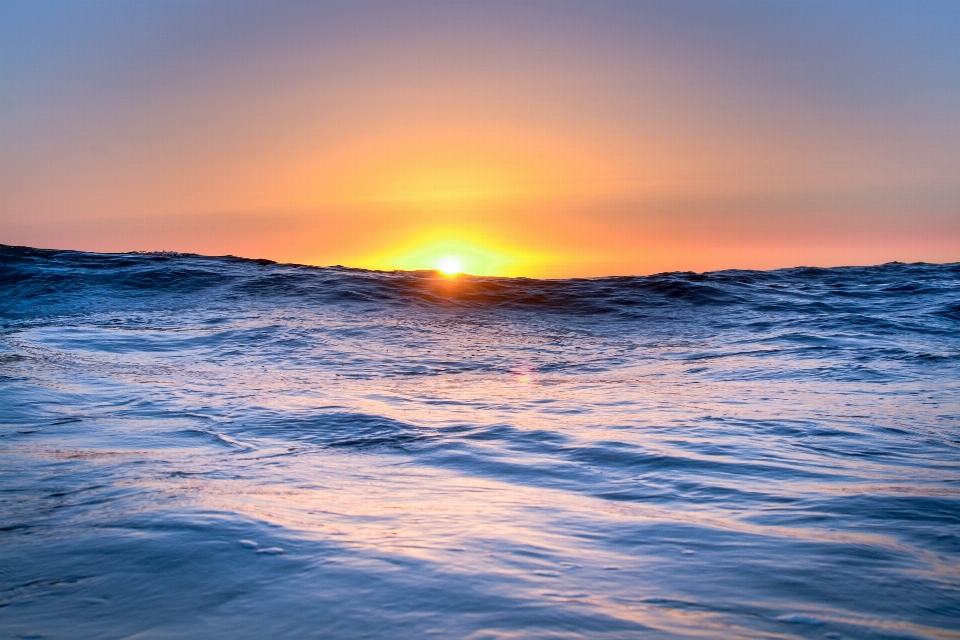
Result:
{"points": [[525, 138]]}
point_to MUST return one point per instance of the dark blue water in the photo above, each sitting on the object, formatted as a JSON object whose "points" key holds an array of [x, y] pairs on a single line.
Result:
{"points": [[214, 447]]}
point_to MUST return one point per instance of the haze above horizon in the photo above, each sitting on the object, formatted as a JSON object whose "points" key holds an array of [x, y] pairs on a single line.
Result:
{"points": [[544, 139]]}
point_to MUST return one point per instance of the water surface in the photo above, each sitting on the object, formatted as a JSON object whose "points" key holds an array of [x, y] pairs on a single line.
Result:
{"points": [[217, 447]]}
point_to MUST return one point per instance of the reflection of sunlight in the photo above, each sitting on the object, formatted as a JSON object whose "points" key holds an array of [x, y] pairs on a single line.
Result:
{"points": [[524, 373]]}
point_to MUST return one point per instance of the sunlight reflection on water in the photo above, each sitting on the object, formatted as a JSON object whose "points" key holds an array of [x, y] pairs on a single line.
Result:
{"points": [[335, 455]]}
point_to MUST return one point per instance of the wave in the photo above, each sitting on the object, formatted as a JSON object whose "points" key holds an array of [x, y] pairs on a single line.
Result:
{"points": [[740, 453], [41, 282]]}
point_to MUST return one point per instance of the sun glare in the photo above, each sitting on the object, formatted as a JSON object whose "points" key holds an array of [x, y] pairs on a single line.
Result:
{"points": [[449, 266], [454, 254]]}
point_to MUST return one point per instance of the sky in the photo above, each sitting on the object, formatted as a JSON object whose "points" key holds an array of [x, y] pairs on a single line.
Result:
{"points": [[542, 139]]}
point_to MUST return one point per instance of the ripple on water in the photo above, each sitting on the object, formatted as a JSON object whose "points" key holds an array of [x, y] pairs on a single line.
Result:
{"points": [[197, 446]]}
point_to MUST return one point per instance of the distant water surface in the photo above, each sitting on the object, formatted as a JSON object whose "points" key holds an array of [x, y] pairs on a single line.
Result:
{"points": [[215, 447]]}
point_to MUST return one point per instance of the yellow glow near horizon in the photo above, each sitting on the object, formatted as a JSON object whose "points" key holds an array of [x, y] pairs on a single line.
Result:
{"points": [[450, 167], [450, 266], [492, 201], [452, 257], [455, 253]]}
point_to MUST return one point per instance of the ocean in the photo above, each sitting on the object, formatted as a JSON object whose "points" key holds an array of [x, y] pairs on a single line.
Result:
{"points": [[215, 447]]}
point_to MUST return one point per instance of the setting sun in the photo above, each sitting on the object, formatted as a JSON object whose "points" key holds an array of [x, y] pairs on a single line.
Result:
{"points": [[450, 266], [456, 250]]}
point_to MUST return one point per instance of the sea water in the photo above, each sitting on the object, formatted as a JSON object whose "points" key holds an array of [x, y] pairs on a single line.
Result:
{"points": [[196, 447]]}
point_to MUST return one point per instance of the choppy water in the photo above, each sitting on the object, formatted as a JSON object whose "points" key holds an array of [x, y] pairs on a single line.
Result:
{"points": [[215, 447]]}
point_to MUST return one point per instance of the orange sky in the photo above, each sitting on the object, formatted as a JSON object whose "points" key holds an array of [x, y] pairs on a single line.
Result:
{"points": [[552, 140]]}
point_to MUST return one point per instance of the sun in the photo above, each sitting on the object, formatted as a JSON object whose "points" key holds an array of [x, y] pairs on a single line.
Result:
{"points": [[449, 266], [451, 256]]}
